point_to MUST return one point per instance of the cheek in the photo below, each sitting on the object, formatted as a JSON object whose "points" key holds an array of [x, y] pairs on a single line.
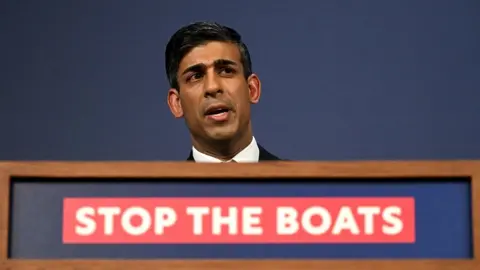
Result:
{"points": [[190, 111], [242, 102], [189, 104]]}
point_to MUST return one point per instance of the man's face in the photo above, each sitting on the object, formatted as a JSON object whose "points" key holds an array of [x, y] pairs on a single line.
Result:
{"points": [[214, 96]]}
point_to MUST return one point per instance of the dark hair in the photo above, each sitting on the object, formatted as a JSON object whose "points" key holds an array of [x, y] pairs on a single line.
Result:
{"points": [[196, 34]]}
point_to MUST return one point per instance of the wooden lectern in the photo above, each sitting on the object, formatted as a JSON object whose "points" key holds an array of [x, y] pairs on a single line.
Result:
{"points": [[337, 170]]}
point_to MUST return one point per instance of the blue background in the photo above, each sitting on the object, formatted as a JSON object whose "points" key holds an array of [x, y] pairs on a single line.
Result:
{"points": [[442, 219], [342, 80]]}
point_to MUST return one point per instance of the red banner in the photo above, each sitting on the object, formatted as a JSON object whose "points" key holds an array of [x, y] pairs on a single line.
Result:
{"points": [[239, 220]]}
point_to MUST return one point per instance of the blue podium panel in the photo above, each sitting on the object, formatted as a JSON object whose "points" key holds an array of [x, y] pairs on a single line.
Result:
{"points": [[442, 217]]}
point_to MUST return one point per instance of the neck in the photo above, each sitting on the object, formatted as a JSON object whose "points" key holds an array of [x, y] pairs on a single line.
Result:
{"points": [[224, 149]]}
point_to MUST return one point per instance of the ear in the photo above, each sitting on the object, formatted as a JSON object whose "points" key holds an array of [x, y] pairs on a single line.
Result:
{"points": [[255, 88], [173, 100]]}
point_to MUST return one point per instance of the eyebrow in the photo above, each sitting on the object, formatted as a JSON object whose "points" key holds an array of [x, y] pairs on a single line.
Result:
{"points": [[200, 66]]}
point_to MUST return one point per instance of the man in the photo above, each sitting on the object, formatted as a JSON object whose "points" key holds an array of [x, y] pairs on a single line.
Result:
{"points": [[212, 87]]}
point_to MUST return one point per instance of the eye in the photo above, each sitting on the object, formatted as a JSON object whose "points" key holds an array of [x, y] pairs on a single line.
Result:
{"points": [[227, 70], [194, 76]]}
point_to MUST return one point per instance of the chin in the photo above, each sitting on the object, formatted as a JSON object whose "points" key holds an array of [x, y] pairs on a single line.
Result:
{"points": [[222, 133]]}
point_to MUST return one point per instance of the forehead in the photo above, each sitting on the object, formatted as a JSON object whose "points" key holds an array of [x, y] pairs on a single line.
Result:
{"points": [[208, 53]]}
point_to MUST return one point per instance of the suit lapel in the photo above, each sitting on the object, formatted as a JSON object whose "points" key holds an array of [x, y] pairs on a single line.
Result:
{"points": [[265, 155], [190, 157]]}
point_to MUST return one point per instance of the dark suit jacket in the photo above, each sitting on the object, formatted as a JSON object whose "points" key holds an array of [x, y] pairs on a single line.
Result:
{"points": [[264, 155]]}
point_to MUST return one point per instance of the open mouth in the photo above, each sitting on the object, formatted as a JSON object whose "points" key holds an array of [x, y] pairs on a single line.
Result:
{"points": [[218, 113]]}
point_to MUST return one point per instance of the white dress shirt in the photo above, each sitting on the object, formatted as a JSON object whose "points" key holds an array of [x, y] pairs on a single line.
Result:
{"points": [[249, 154]]}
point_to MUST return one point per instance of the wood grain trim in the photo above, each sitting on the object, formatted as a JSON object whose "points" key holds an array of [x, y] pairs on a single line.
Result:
{"points": [[4, 211], [242, 265], [475, 203], [265, 169]]}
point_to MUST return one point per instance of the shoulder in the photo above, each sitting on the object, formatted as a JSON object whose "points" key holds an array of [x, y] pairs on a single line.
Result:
{"points": [[265, 155]]}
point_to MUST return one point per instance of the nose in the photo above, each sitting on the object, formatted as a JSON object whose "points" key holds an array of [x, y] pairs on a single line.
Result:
{"points": [[212, 84]]}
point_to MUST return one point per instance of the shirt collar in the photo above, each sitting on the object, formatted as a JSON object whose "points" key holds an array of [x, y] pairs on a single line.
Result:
{"points": [[250, 153]]}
